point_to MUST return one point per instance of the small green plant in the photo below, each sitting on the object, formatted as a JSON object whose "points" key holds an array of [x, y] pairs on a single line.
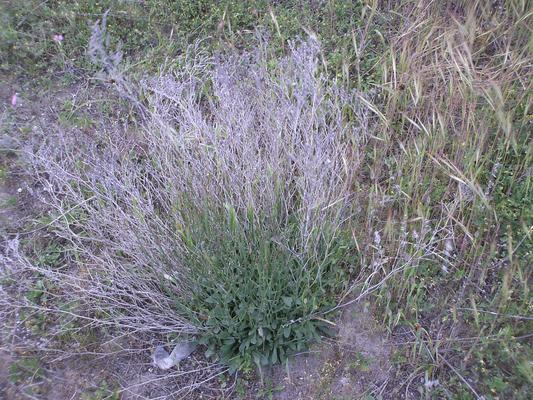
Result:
{"points": [[3, 174], [37, 294], [258, 301], [102, 392], [360, 363], [50, 255], [10, 201], [24, 369], [71, 116], [268, 390]]}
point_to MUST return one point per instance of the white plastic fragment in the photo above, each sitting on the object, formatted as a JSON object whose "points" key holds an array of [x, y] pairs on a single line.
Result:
{"points": [[164, 361]]}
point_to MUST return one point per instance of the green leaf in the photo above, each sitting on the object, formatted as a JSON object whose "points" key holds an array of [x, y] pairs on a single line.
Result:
{"points": [[287, 331], [274, 358], [287, 301]]}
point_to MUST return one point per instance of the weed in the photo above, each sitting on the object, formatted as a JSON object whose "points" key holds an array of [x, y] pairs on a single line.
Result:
{"points": [[50, 255], [24, 369], [165, 28], [103, 392], [471, 212], [3, 175], [323, 388], [9, 201], [360, 363], [268, 390], [70, 116], [257, 289], [251, 273]]}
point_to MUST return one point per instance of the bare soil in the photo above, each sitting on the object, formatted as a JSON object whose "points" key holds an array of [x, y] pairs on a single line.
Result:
{"points": [[354, 364]]}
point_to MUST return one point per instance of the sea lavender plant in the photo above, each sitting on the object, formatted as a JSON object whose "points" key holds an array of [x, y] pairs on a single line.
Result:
{"points": [[222, 214]]}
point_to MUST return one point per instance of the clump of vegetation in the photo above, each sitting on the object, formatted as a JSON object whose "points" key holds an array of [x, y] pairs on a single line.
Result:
{"points": [[223, 217], [452, 175], [258, 303], [154, 32]]}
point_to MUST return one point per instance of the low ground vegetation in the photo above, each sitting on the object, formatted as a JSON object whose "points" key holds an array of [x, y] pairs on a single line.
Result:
{"points": [[241, 187]]}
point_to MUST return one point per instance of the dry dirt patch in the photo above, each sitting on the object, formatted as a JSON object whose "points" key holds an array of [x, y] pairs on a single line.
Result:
{"points": [[350, 366]]}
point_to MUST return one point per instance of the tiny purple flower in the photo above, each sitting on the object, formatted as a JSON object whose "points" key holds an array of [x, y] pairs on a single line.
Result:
{"points": [[57, 38], [14, 99]]}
